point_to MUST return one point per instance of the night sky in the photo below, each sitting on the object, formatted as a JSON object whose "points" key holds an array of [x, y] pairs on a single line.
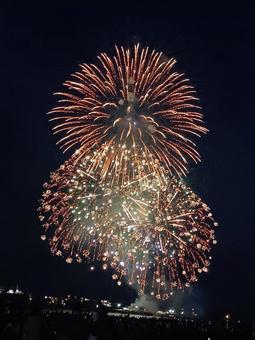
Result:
{"points": [[215, 47]]}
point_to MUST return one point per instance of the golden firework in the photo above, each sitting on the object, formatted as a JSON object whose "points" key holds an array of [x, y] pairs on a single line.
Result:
{"points": [[154, 231], [120, 199]]}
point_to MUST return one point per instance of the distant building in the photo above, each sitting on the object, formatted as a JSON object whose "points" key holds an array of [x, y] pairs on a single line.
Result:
{"points": [[17, 291]]}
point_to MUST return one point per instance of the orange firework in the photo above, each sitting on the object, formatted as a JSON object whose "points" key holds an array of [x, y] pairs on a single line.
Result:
{"points": [[134, 99]]}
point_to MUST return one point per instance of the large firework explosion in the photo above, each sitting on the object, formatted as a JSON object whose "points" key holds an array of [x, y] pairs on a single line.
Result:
{"points": [[120, 200], [134, 98], [154, 231]]}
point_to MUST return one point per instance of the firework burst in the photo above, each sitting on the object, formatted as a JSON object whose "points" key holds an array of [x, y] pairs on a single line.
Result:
{"points": [[154, 231], [120, 200], [133, 99]]}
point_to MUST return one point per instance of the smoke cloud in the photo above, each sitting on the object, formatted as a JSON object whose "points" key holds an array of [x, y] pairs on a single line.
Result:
{"points": [[145, 302]]}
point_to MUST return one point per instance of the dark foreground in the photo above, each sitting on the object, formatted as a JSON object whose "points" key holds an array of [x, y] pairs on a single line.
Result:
{"points": [[23, 318], [80, 327]]}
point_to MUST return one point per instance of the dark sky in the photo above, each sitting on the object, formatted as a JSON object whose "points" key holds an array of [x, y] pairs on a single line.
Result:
{"points": [[41, 46]]}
